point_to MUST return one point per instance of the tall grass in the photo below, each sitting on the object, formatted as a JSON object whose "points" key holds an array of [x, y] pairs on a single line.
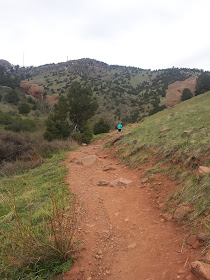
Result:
{"points": [[38, 219]]}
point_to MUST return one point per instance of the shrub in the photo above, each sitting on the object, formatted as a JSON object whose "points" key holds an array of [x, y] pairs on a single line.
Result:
{"points": [[12, 97], [5, 118], [13, 146], [203, 83], [187, 94], [84, 136], [101, 127], [19, 125], [24, 108]]}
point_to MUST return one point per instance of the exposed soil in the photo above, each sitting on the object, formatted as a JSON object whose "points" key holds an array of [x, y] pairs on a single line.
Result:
{"points": [[124, 233]]}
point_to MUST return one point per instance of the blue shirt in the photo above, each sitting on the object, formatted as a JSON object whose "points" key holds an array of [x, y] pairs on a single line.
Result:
{"points": [[119, 126]]}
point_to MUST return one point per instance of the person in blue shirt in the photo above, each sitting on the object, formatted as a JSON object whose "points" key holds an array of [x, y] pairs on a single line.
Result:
{"points": [[119, 127]]}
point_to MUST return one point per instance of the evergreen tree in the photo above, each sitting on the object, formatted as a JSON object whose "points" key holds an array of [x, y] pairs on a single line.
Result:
{"points": [[187, 94], [81, 104], [57, 124]]}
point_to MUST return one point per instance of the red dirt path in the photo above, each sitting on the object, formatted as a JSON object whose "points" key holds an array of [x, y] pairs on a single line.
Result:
{"points": [[124, 235]]}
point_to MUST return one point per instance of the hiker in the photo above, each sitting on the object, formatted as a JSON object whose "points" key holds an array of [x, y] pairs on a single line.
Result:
{"points": [[119, 127]]}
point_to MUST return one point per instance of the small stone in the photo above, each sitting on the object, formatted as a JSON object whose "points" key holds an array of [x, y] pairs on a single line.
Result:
{"points": [[132, 245], [99, 252], [90, 225], [89, 278], [181, 212], [190, 277], [126, 220], [82, 269], [84, 144], [201, 270], [203, 170], [107, 272], [108, 168], [182, 271], [202, 236], [102, 183], [164, 129], [89, 160], [144, 180]]}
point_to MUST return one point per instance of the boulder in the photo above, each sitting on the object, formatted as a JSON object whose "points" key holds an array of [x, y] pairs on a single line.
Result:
{"points": [[120, 182], [201, 270], [175, 90], [32, 89], [89, 160], [181, 212]]}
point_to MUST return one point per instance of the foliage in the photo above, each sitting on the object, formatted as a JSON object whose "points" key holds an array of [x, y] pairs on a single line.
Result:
{"points": [[5, 118], [187, 94], [57, 124], [81, 104], [18, 124], [38, 222], [12, 97], [6, 79], [203, 83], [101, 127], [20, 152], [24, 108]]}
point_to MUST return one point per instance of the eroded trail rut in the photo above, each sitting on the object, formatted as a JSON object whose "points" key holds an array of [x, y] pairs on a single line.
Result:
{"points": [[123, 233]]}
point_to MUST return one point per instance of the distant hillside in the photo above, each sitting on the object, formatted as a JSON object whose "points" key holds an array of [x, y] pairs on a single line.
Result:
{"points": [[125, 93]]}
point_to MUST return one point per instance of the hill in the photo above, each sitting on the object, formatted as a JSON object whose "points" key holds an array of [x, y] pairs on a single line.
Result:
{"points": [[177, 142], [125, 94]]}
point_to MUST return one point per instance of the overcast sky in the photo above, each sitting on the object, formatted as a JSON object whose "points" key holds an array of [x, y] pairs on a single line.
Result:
{"points": [[150, 34]]}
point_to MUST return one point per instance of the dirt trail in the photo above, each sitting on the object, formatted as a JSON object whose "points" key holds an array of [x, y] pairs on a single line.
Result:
{"points": [[125, 237]]}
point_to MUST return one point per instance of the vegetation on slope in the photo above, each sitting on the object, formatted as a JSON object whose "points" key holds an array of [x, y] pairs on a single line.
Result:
{"points": [[37, 222], [179, 140], [127, 93]]}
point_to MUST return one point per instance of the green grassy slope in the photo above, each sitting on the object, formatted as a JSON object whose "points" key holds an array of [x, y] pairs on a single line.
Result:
{"points": [[180, 148], [32, 191]]}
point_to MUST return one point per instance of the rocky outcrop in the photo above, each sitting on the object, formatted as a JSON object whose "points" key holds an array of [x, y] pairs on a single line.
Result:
{"points": [[32, 89], [175, 90]]}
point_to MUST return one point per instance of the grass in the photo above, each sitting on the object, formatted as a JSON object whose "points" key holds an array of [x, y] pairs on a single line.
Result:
{"points": [[178, 150], [37, 221]]}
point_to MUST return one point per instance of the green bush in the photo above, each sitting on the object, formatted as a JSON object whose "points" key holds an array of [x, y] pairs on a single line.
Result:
{"points": [[19, 125], [101, 127], [84, 136], [187, 94], [5, 118], [24, 108], [12, 97]]}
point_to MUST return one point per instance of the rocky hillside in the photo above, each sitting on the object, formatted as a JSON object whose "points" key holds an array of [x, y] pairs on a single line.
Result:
{"points": [[126, 93]]}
